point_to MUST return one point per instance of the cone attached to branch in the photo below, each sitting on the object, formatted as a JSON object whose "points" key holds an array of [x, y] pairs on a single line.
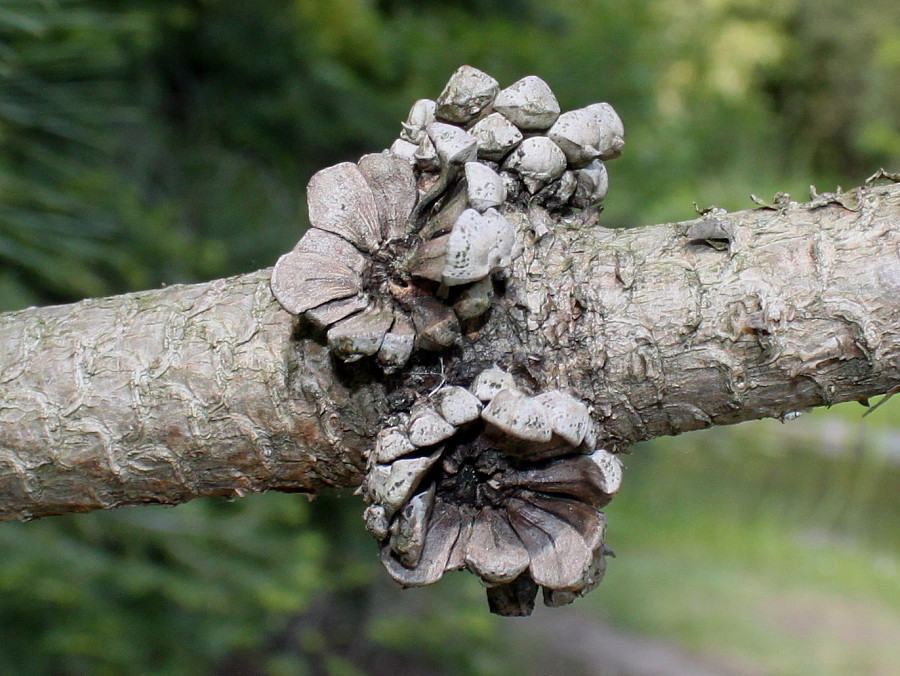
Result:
{"points": [[496, 481], [433, 210]]}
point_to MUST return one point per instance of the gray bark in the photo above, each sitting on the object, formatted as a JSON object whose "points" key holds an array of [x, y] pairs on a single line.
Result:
{"points": [[167, 395]]}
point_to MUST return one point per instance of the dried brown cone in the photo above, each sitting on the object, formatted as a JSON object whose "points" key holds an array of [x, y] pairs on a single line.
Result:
{"points": [[363, 274], [504, 484], [403, 245]]}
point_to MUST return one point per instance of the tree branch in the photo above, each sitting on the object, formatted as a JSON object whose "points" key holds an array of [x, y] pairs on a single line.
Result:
{"points": [[167, 395]]}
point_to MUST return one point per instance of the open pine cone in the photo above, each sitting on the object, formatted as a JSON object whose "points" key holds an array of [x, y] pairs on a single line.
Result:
{"points": [[504, 484], [405, 243]]}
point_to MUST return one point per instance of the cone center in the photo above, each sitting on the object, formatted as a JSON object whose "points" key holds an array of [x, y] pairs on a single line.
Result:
{"points": [[471, 476]]}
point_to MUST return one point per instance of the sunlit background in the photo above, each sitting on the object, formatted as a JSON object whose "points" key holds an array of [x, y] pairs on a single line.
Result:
{"points": [[145, 142]]}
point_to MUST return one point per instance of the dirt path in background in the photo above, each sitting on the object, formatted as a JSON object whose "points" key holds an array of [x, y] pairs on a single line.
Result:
{"points": [[595, 648]]}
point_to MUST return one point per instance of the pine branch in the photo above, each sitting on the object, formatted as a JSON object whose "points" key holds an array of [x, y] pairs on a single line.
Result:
{"points": [[189, 391]]}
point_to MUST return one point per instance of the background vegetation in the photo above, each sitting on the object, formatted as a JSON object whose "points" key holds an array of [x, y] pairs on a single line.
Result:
{"points": [[161, 141]]}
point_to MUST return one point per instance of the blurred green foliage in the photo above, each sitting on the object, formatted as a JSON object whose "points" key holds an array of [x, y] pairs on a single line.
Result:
{"points": [[148, 142], [770, 549], [159, 141]]}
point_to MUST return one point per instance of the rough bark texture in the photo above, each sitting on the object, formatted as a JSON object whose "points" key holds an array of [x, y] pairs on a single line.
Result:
{"points": [[172, 394], [672, 328], [168, 395]]}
